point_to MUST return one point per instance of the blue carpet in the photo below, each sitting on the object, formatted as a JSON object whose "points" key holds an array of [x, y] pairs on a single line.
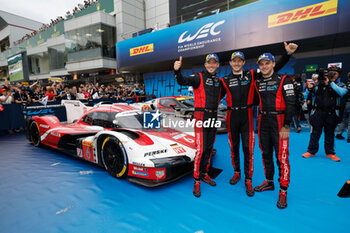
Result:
{"points": [[42, 190]]}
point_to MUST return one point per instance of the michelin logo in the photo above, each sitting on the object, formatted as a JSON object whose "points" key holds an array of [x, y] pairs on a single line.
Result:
{"points": [[203, 32]]}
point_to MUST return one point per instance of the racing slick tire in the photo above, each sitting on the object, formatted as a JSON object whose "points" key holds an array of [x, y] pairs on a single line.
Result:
{"points": [[114, 157], [34, 134]]}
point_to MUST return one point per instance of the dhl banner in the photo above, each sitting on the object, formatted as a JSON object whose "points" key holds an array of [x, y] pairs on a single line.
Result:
{"points": [[256, 24], [304, 13], [141, 49]]}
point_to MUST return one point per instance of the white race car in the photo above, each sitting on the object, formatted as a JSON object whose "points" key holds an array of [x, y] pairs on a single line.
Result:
{"points": [[113, 136]]}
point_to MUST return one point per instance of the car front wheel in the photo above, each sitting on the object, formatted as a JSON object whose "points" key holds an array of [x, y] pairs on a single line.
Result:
{"points": [[114, 157]]}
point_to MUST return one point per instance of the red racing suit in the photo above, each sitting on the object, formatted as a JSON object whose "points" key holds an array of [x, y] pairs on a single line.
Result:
{"points": [[277, 103], [207, 89], [240, 96]]}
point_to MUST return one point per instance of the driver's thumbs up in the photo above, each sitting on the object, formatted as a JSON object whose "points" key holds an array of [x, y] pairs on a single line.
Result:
{"points": [[178, 64]]}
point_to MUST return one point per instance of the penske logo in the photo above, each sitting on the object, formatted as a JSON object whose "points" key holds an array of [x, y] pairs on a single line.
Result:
{"points": [[305, 13], [148, 48]]}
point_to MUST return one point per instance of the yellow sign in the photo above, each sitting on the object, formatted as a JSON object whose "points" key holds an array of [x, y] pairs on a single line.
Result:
{"points": [[56, 79], [304, 13], [148, 48]]}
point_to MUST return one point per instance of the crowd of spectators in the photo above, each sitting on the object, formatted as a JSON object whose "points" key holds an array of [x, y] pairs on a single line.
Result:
{"points": [[22, 94], [68, 15]]}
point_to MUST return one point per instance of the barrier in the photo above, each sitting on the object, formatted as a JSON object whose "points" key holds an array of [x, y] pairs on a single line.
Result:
{"points": [[14, 115]]}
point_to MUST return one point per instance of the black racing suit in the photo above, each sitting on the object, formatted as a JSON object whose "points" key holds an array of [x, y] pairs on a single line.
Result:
{"points": [[207, 94], [239, 90], [299, 100], [324, 114], [277, 105]]}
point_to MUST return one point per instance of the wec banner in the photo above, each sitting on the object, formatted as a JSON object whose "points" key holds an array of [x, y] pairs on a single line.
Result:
{"points": [[260, 23]]}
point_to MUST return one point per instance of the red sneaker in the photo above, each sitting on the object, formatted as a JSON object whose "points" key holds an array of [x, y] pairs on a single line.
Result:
{"points": [[236, 177], [249, 188], [266, 185], [308, 155], [282, 200], [197, 188], [333, 157], [206, 178]]}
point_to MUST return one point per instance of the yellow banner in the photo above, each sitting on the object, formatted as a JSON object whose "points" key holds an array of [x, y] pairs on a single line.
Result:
{"points": [[56, 79], [304, 13], [148, 48]]}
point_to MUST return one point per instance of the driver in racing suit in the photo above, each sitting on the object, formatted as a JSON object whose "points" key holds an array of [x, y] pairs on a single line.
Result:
{"points": [[277, 106], [239, 86], [207, 90]]}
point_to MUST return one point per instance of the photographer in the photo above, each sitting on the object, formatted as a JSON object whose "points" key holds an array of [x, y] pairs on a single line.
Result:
{"points": [[325, 96], [345, 122], [299, 100]]}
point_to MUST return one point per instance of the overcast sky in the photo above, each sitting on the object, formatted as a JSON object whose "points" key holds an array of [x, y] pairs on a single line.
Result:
{"points": [[39, 10]]}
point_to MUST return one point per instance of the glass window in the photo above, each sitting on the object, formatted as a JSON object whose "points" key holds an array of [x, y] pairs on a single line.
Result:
{"points": [[108, 40], [39, 63], [90, 42], [57, 57]]}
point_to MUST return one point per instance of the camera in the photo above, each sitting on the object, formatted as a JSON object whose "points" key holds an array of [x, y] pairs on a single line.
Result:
{"points": [[322, 74]]}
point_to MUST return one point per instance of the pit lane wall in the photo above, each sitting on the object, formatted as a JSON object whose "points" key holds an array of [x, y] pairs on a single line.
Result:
{"points": [[257, 24]]}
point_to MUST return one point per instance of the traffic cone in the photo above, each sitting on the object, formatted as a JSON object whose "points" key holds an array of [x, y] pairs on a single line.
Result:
{"points": [[345, 190]]}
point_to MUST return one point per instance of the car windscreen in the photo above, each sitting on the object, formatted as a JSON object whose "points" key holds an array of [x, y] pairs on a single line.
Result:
{"points": [[168, 101], [134, 121], [188, 102], [103, 119]]}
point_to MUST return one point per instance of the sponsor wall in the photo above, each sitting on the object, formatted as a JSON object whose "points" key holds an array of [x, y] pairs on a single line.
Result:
{"points": [[164, 84], [257, 24]]}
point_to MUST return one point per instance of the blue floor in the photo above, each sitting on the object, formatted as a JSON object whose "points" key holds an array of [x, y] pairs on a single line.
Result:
{"points": [[42, 190]]}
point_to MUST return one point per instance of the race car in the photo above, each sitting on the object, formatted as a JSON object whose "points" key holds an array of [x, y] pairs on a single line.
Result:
{"points": [[182, 106], [112, 136]]}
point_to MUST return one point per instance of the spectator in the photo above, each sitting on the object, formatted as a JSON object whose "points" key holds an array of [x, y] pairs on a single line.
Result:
{"points": [[72, 93], [86, 93], [130, 92], [110, 92], [137, 90], [22, 96], [50, 92], [6, 97], [64, 93], [91, 89], [37, 95]]}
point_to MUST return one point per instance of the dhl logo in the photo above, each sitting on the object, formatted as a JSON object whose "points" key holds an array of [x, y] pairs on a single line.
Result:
{"points": [[148, 48], [305, 13]]}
